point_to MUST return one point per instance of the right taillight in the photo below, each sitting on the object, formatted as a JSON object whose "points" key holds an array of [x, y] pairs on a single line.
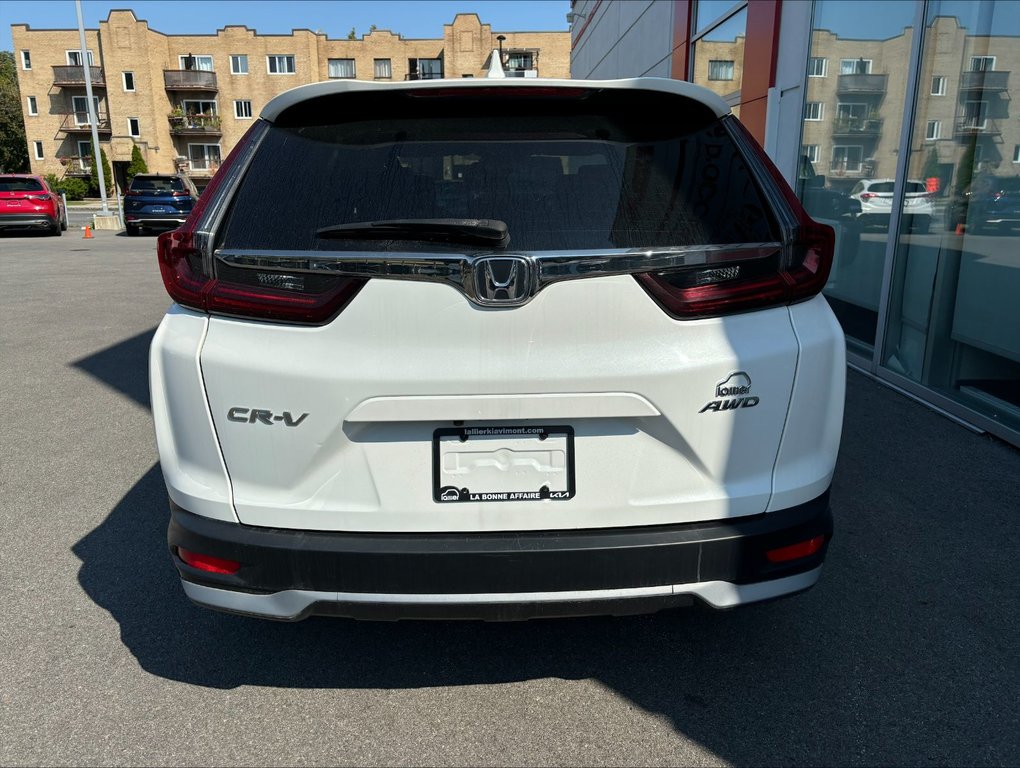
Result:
{"points": [[306, 299], [796, 271]]}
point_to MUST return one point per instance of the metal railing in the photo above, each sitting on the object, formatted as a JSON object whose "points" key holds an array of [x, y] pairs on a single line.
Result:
{"points": [[977, 125], [989, 80], [189, 79], [856, 126], [194, 123], [424, 76], [861, 83], [74, 75], [75, 122], [75, 165]]}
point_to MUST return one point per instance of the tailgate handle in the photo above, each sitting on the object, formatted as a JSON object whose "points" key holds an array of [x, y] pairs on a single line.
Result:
{"points": [[561, 406]]}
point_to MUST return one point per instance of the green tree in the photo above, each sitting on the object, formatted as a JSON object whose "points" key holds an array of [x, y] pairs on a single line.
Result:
{"points": [[353, 34], [13, 146], [73, 187], [137, 164], [107, 176]]}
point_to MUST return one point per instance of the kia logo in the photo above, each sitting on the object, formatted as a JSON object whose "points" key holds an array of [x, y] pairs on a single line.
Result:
{"points": [[506, 281]]}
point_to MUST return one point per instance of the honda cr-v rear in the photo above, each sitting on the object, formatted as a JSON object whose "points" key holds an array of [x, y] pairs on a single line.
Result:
{"points": [[517, 348]]}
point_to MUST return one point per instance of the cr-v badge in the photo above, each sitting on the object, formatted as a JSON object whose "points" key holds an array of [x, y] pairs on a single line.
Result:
{"points": [[259, 416], [737, 383]]}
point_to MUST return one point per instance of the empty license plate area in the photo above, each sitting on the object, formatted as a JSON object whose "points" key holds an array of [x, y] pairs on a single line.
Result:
{"points": [[502, 464]]}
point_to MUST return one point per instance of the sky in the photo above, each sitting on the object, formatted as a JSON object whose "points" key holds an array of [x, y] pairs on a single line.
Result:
{"points": [[421, 19]]}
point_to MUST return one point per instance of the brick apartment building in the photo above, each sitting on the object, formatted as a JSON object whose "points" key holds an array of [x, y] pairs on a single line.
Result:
{"points": [[185, 100]]}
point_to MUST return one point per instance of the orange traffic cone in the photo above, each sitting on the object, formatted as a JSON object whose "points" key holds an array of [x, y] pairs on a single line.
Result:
{"points": [[88, 233], [959, 229]]}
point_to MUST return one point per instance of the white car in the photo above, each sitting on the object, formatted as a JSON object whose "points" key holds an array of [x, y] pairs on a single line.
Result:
{"points": [[876, 199], [496, 349]]}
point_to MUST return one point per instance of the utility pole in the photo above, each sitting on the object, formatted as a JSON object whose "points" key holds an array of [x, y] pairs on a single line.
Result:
{"points": [[93, 117]]}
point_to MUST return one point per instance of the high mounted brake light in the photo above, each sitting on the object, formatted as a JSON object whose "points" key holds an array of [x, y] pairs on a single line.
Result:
{"points": [[181, 264], [797, 273]]}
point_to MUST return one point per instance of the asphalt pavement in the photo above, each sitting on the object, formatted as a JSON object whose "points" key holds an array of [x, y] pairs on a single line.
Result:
{"points": [[906, 653]]}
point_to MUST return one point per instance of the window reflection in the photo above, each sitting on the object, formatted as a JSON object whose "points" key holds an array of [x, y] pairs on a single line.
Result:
{"points": [[853, 114], [719, 58], [954, 307]]}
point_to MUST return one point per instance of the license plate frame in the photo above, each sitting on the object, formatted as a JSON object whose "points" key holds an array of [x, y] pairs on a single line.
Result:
{"points": [[452, 494]]}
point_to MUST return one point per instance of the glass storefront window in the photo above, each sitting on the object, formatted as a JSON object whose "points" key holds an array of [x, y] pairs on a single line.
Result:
{"points": [[718, 61], [853, 114], [954, 304]]}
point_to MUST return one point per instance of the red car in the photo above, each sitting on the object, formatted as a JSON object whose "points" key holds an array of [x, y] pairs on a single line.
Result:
{"points": [[27, 202]]}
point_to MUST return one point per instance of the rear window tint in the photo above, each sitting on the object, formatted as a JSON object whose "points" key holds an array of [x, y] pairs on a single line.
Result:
{"points": [[156, 184], [20, 185], [614, 169]]}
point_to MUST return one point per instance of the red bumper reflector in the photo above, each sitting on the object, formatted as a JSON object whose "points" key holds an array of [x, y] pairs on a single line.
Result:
{"points": [[208, 562], [795, 551]]}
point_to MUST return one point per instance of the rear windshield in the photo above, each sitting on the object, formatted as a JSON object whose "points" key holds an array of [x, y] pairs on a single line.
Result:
{"points": [[20, 185], [599, 169], [157, 184]]}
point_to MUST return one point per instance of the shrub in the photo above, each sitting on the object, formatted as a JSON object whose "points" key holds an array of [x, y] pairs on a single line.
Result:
{"points": [[138, 164], [73, 188], [107, 176]]}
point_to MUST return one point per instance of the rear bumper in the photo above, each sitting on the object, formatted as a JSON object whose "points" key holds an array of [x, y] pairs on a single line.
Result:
{"points": [[292, 574], [27, 221]]}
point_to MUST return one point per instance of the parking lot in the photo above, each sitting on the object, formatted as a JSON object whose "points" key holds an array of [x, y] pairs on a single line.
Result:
{"points": [[906, 653]]}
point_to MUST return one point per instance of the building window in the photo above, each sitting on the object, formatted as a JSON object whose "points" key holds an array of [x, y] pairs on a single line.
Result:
{"points": [[74, 58], [242, 109], [424, 69], [524, 61], [134, 127], [204, 157], [26, 60], [933, 130], [341, 68], [33, 106], [280, 65], [982, 63], [720, 70], [847, 159], [855, 66], [975, 115], [818, 67], [814, 110], [198, 107], [239, 64], [383, 69], [80, 107], [129, 81], [938, 85], [37, 146], [1016, 153], [810, 152], [192, 62]]}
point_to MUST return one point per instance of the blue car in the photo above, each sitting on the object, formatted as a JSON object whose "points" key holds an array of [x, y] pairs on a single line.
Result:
{"points": [[158, 201]]}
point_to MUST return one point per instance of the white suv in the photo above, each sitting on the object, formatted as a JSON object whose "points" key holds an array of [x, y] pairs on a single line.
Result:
{"points": [[876, 199], [496, 349]]}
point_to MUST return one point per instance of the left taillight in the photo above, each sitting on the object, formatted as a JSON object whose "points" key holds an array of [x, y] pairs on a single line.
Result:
{"points": [[303, 299]]}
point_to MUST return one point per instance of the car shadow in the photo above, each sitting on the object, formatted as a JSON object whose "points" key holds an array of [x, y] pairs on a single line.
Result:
{"points": [[904, 653], [123, 366]]}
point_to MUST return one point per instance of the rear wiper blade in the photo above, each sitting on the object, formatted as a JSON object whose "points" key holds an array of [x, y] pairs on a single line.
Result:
{"points": [[489, 232]]}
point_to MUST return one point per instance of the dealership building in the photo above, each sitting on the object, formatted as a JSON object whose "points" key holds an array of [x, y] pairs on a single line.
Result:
{"points": [[899, 116]]}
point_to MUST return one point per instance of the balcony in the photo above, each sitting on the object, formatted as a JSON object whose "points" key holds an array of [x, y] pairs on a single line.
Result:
{"points": [[977, 126], [78, 122], [988, 81], [424, 76], [864, 127], [74, 76], [75, 165], [861, 84], [189, 80], [194, 125], [204, 168]]}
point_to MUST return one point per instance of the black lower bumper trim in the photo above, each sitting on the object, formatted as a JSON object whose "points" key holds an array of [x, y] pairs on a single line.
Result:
{"points": [[273, 560]]}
